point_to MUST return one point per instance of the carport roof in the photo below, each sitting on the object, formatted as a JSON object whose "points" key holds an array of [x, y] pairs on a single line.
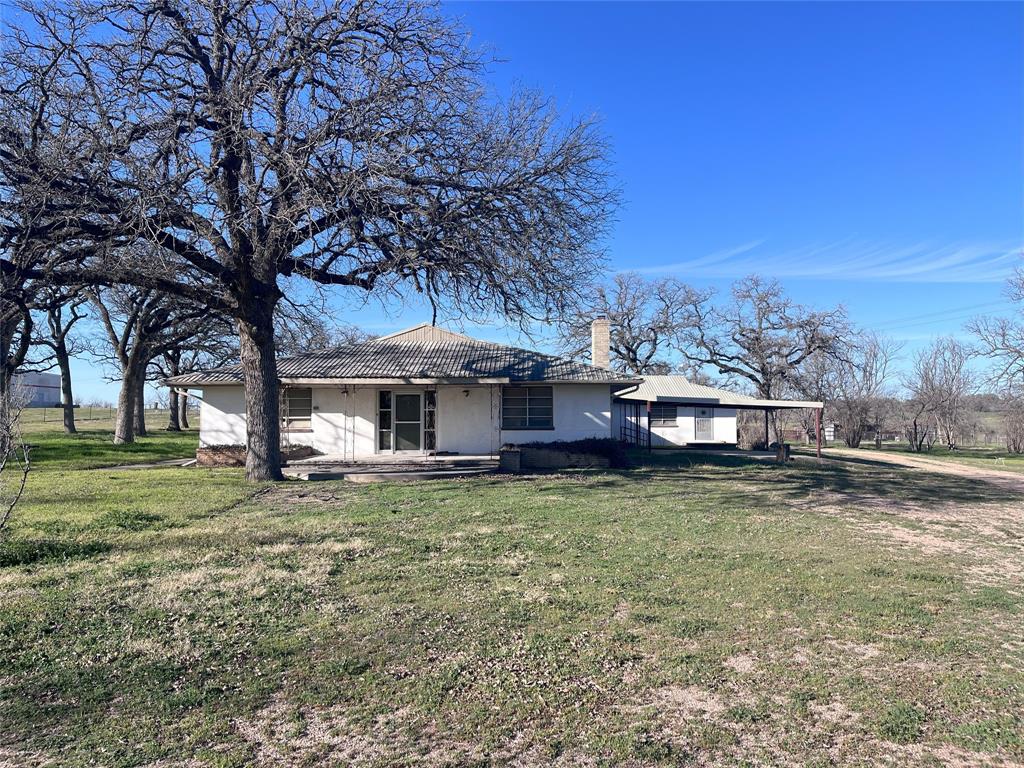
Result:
{"points": [[678, 389]]}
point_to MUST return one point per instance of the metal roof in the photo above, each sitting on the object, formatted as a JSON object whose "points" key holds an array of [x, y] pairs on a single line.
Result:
{"points": [[677, 389], [421, 354]]}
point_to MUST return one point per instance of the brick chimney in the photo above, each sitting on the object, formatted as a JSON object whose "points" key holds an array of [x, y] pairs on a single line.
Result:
{"points": [[600, 342]]}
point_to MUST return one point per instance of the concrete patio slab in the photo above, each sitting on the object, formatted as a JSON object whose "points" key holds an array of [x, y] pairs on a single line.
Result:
{"points": [[390, 469]]}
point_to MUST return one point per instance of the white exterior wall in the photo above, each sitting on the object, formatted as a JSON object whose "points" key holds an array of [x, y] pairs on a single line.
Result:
{"points": [[344, 420], [725, 425], [683, 433], [467, 419], [580, 410], [222, 416]]}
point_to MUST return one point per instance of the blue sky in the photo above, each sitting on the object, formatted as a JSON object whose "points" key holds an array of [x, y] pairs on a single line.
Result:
{"points": [[868, 154]]}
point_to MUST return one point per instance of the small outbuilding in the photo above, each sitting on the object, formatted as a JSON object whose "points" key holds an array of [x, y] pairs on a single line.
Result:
{"points": [[673, 412]]}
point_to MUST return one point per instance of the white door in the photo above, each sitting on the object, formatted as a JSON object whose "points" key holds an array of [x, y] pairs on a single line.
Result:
{"points": [[408, 421], [704, 429]]}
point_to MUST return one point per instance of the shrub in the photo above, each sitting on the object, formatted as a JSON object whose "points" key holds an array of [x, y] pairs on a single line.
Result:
{"points": [[1014, 424]]}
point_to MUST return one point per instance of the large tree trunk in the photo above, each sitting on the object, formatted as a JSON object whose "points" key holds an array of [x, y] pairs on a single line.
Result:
{"points": [[262, 408], [6, 376], [11, 357], [124, 427], [173, 425], [173, 420], [140, 407], [67, 395], [183, 415], [6, 414]]}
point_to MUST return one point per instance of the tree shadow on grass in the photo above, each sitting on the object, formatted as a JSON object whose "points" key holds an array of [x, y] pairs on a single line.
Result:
{"points": [[859, 480], [16, 552], [94, 449]]}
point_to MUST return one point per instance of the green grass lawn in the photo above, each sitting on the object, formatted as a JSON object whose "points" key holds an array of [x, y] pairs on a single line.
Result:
{"points": [[694, 610]]}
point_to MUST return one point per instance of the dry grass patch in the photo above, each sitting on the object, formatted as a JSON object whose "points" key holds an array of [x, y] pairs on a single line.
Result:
{"points": [[670, 614]]}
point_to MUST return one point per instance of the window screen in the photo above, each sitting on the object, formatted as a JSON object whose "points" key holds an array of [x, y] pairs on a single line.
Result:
{"points": [[298, 408], [663, 415], [527, 408]]}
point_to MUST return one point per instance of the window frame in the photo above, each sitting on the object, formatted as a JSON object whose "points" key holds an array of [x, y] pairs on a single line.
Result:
{"points": [[428, 427], [290, 422], [530, 392], [390, 411], [661, 421]]}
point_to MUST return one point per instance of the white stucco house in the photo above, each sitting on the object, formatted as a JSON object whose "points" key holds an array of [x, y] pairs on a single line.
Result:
{"points": [[427, 391], [421, 391]]}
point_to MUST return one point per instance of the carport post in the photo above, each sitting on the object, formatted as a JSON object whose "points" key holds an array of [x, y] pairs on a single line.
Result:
{"points": [[767, 439], [817, 429], [648, 426]]}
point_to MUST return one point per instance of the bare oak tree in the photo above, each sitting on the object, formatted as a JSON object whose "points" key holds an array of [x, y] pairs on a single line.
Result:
{"points": [[1013, 426], [139, 326], [297, 330], [644, 317], [759, 336], [859, 381], [1001, 340], [347, 143], [63, 310], [950, 380], [938, 385], [16, 324], [813, 381], [15, 453], [214, 344], [38, 225]]}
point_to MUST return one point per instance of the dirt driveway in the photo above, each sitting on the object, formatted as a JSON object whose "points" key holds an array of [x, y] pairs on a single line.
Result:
{"points": [[963, 518], [1013, 481]]}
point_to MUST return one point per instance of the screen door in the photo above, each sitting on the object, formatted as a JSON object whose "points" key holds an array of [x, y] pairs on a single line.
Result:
{"points": [[705, 427], [408, 421]]}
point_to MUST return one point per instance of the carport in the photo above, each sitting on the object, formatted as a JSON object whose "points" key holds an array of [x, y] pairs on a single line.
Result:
{"points": [[639, 403]]}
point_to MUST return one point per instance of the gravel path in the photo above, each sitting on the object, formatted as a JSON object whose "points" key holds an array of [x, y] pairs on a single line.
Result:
{"points": [[1010, 480]]}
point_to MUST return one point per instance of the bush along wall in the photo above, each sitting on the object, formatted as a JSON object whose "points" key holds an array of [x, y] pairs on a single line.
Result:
{"points": [[563, 454]]}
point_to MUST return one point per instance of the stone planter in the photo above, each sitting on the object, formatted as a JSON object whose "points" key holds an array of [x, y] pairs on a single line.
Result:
{"points": [[516, 459], [510, 460]]}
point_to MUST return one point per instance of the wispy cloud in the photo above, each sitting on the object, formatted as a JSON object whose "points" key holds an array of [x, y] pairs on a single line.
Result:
{"points": [[711, 260], [921, 262]]}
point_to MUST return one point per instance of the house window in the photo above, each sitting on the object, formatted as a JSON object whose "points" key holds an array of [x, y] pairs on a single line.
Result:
{"points": [[384, 420], [527, 408], [430, 420], [663, 415], [298, 409]]}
